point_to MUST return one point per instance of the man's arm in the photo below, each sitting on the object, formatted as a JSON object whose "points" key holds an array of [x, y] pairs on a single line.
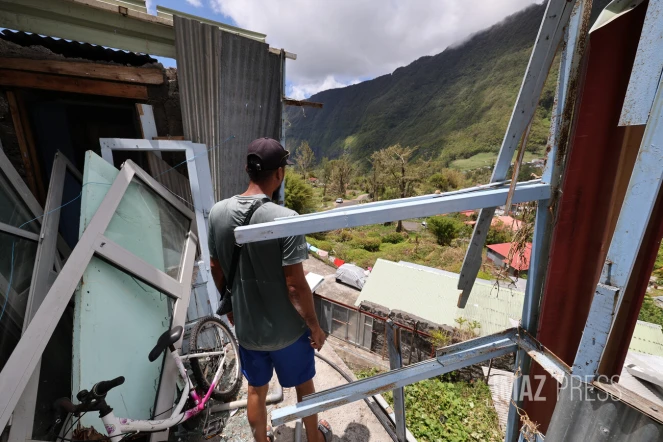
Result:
{"points": [[302, 299], [219, 281]]}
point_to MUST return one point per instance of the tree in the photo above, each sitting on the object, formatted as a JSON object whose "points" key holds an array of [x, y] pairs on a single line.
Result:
{"points": [[342, 170], [397, 168], [298, 194], [444, 228], [304, 158], [377, 175], [326, 169]]}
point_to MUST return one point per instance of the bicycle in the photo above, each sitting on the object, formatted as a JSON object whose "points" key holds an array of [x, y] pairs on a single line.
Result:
{"points": [[205, 357]]}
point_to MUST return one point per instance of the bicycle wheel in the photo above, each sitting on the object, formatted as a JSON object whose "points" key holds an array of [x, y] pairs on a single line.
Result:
{"points": [[212, 335]]}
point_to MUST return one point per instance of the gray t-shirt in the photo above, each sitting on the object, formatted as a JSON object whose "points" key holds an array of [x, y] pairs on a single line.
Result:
{"points": [[265, 319]]}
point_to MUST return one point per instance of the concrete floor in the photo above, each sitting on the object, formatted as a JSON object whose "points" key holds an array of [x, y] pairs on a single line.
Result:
{"points": [[354, 422]]}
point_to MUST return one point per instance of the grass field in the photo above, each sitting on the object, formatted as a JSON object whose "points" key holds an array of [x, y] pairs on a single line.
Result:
{"points": [[485, 159]]}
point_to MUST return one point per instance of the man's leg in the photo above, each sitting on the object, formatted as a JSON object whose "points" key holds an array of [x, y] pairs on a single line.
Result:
{"points": [[257, 412], [311, 422]]}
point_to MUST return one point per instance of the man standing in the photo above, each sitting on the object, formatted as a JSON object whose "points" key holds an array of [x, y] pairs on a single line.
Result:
{"points": [[273, 310]]}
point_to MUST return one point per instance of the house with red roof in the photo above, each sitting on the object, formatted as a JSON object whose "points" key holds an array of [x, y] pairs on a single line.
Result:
{"points": [[498, 254]]}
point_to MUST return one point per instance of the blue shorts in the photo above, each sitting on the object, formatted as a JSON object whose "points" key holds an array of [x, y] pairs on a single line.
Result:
{"points": [[294, 364]]}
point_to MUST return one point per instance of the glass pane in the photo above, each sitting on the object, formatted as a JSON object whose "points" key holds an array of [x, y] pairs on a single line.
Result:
{"points": [[12, 308], [325, 318], [105, 294], [340, 313], [70, 213], [14, 211], [353, 334], [144, 223], [339, 329]]}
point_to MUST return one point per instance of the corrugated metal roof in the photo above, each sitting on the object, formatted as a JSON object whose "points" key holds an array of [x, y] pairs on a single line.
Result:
{"points": [[432, 294], [74, 49], [230, 93], [516, 262], [647, 338]]}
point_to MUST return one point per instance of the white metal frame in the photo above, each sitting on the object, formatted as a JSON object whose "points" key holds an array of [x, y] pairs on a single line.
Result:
{"points": [[200, 180], [42, 276], [25, 357]]}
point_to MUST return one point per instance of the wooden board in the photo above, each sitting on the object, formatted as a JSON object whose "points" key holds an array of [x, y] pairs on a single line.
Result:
{"points": [[86, 70], [60, 83], [21, 137]]}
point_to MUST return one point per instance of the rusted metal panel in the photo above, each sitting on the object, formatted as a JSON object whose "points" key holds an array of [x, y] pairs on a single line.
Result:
{"points": [[586, 195], [230, 89]]}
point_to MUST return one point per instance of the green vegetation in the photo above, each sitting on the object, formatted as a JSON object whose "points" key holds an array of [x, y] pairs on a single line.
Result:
{"points": [[449, 106], [445, 229], [298, 193], [364, 245], [439, 409], [650, 312], [486, 159]]}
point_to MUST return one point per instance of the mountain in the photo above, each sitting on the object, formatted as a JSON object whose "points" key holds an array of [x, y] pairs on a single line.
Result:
{"points": [[451, 105]]}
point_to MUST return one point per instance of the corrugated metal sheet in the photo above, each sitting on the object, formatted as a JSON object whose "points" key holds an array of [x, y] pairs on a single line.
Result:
{"points": [[647, 338], [432, 295], [230, 93], [594, 417]]}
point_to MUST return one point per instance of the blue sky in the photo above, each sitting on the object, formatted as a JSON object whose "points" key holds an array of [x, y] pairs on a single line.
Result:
{"points": [[343, 42]]}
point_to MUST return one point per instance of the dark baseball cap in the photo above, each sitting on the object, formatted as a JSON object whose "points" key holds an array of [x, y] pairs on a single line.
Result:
{"points": [[270, 152]]}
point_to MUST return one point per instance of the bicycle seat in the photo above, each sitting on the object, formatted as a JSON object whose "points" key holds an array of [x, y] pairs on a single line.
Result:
{"points": [[167, 339]]}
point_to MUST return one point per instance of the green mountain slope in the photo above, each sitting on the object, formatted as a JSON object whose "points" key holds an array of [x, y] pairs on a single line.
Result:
{"points": [[452, 105]]}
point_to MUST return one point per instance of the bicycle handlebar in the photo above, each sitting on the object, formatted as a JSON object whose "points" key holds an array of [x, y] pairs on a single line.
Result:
{"points": [[90, 401], [101, 388]]}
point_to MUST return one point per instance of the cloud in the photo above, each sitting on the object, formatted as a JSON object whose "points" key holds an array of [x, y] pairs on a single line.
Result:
{"points": [[196, 3], [338, 42], [304, 90]]}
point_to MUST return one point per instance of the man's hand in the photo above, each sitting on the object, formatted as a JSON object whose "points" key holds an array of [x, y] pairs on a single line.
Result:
{"points": [[231, 318], [318, 338]]}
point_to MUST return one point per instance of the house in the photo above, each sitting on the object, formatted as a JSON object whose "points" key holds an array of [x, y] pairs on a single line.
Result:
{"points": [[506, 221], [499, 253], [432, 294]]}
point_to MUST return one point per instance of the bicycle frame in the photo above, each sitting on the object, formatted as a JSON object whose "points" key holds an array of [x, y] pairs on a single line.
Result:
{"points": [[118, 427]]}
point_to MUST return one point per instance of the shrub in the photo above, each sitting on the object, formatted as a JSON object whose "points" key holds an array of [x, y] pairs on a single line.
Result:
{"points": [[369, 244], [298, 194], [445, 229], [323, 245], [393, 238], [498, 234]]}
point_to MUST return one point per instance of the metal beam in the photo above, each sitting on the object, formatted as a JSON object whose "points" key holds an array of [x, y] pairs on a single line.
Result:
{"points": [[595, 334], [402, 209], [396, 362], [490, 347], [106, 23], [647, 69], [550, 35], [413, 198]]}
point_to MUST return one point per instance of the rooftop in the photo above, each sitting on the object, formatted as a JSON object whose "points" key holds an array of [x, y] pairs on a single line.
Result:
{"points": [[519, 261]]}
